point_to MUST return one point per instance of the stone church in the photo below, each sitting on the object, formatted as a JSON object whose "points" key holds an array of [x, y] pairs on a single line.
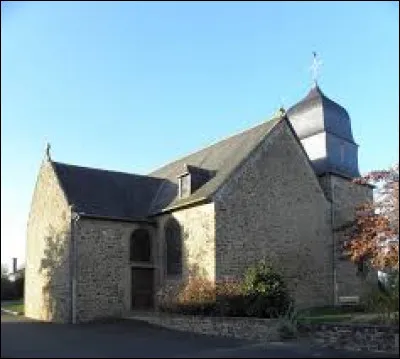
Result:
{"points": [[102, 243]]}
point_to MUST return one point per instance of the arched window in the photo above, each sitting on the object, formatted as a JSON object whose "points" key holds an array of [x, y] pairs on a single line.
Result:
{"points": [[173, 243], [140, 246]]}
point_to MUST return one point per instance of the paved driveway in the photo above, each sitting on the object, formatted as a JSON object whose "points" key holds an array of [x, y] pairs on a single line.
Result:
{"points": [[21, 337]]}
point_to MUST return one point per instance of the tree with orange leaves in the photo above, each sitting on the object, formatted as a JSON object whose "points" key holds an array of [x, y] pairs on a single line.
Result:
{"points": [[373, 237]]}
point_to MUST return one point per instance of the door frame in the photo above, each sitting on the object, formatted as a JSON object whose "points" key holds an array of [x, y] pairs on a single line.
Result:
{"points": [[150, 265]]}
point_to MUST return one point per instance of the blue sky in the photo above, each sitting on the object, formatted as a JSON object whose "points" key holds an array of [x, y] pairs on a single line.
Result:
{"points": [[130, 86]]}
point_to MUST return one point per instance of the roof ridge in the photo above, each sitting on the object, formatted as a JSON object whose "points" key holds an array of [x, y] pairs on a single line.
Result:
{"points": [[275, 117], [104, 192], [208, 190], [103, 170]]}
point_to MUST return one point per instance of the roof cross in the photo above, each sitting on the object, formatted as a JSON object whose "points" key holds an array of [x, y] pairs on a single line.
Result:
{"points": [[48, 146], [315, 68]]}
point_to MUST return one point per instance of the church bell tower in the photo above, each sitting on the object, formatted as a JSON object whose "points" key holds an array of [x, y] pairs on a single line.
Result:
{"points": [[324, 129]]}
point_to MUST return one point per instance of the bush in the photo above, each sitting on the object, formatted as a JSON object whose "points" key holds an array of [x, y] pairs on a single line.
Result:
{"points": [[231, 300], [262, 294], [197, 291], [196, 297], [266, 292], [19, 287], [199, 296], [11, 290]]}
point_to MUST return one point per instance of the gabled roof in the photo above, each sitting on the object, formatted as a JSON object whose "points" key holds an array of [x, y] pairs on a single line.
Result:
{"points": [[112, 194], [220, 158], [105, 193]]}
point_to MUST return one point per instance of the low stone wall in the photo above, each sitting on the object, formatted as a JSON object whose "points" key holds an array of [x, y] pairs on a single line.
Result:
{"points": [[359, 337], [240, 328]]}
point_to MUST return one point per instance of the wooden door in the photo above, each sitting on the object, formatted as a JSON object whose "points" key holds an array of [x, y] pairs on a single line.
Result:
{"points": [[142, 288]]}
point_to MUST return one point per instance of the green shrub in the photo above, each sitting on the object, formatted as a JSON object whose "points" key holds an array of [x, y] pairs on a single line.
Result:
{"points": [[265, 291]]}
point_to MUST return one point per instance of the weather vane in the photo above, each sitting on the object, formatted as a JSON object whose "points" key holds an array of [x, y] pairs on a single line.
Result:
{"points": [[315, 68]]}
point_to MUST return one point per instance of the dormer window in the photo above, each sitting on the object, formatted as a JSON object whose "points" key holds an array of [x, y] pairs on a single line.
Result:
{"points": [[192, 179], [184, 185]]}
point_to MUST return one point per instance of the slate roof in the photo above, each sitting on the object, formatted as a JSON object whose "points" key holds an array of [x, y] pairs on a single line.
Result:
{"points": [[222, 158], [106, 193], [120, 195], [317, 113]]}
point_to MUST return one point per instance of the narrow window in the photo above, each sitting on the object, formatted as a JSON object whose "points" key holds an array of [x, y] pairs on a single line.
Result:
{"points": [[140, 246], [173, 244]]}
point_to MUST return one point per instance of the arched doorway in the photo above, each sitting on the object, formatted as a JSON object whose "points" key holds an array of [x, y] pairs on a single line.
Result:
{"points": [[142, 270]]}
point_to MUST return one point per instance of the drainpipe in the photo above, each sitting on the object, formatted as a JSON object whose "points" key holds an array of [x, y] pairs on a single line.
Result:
{"points": [[73, 269]]}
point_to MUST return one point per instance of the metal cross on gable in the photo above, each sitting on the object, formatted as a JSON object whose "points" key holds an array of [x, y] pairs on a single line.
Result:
{"points": [[316, 65]]}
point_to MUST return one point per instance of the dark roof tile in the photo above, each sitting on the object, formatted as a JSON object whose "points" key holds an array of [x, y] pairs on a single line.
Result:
{"points": [[106, 193], [220, 158], [103, 193]]}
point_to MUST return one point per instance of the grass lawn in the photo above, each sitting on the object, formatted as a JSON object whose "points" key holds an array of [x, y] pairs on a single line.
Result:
{"points": [[329, 314], [16, 306], [322, 311], [327, 319], [350, 314]]}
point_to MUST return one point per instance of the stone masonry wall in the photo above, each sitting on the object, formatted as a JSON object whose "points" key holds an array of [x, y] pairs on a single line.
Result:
{"points": [[47, 280], [274, 207], [240, 328], [198, 233], [358, 337], [355, 337], [103, 267], [346, 196]]}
